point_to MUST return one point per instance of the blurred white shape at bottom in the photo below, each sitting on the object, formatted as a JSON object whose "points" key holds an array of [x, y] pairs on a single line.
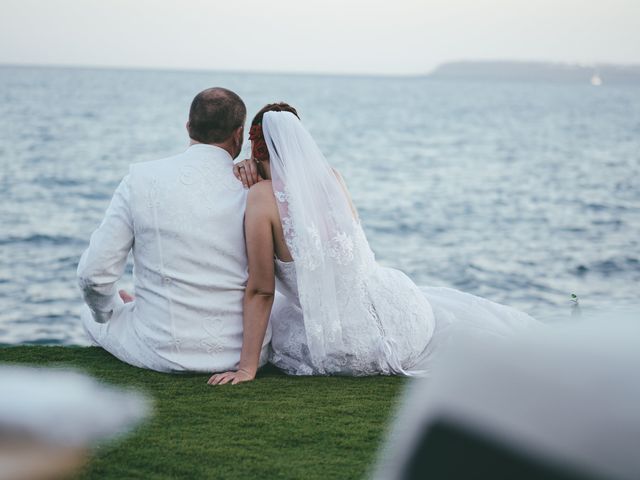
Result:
{"points": [[49, 418], [561, 402]]}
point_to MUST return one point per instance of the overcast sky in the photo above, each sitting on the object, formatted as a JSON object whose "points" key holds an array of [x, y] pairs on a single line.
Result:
{"points": [[327, 36]]}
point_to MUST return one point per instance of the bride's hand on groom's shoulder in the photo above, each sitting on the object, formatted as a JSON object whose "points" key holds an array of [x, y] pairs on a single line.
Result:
{"points": [[233, 377], [247, 172]]}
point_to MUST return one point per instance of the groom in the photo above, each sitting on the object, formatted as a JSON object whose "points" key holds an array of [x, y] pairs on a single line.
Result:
{"points": [[182, 218]]}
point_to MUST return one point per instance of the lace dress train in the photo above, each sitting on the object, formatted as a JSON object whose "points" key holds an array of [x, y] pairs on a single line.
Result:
{"points": [[405, 345]]}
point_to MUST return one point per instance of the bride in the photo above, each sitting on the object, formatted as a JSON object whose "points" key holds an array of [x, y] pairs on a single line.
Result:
{"points": [[333, 309]]}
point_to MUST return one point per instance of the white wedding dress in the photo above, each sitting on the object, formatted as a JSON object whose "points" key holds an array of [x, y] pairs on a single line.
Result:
{"points": [[404, 348], [337, 311]]}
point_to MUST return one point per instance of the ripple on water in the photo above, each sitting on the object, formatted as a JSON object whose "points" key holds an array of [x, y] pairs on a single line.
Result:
{"points": [[39, 239], [611, 266]]}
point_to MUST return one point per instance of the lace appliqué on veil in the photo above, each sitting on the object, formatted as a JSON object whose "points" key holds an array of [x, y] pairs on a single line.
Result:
{"points": [[311, 254]]}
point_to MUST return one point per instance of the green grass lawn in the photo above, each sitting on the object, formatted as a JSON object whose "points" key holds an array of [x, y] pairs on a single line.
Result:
{"points": [[274, 427]]}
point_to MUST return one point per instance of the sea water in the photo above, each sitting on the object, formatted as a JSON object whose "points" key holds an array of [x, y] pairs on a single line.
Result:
{"points": [[523, 193]]}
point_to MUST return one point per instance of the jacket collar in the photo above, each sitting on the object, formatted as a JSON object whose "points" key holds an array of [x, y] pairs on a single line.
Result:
{"points": [[212, 151]]}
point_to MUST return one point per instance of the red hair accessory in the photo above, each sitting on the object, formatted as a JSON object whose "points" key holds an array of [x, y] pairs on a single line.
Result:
{"points": [[259, 149]]}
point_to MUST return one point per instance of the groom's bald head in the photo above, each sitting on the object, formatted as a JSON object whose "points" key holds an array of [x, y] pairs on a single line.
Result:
{"points": [[215, 114]]}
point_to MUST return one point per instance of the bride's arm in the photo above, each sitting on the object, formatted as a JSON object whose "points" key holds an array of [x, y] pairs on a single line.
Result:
{"points": [[343, 184], [259, 294]]}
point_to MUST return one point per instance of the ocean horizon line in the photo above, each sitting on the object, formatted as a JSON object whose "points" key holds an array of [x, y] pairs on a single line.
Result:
{"points": [[497, 70], [126, 68]]}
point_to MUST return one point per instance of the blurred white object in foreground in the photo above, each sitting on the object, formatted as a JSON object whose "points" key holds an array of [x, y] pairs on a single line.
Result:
{"points": [[49, 418], [562, 402]]}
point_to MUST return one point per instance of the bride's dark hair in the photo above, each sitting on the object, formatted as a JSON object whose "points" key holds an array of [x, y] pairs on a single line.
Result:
{"points": [[273, 107], [259, 149]]}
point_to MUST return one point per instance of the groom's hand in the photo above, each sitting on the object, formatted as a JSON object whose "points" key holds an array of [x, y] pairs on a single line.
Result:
{"points": [[247, 172], [233, 377]]}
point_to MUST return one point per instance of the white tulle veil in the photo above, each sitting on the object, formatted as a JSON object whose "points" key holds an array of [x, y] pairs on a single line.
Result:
{"points": [[334, 263]]}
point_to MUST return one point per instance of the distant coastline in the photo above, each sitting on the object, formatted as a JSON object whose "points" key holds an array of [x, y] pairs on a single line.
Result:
{"points": [[596, 74], [464, 70]]}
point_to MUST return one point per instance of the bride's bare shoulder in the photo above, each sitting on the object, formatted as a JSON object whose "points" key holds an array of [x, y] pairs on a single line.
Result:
{"points": [[261, 190], [261, 196]]}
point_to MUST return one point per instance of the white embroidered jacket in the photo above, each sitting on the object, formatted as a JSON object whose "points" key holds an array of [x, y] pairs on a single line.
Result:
{"points": [[182, 217]]}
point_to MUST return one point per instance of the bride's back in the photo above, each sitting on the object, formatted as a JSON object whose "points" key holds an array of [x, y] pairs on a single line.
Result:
{"points": [[352, 316]]}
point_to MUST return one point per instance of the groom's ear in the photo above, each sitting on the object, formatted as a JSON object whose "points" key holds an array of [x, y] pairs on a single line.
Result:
{"points": [[239, 134]]}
